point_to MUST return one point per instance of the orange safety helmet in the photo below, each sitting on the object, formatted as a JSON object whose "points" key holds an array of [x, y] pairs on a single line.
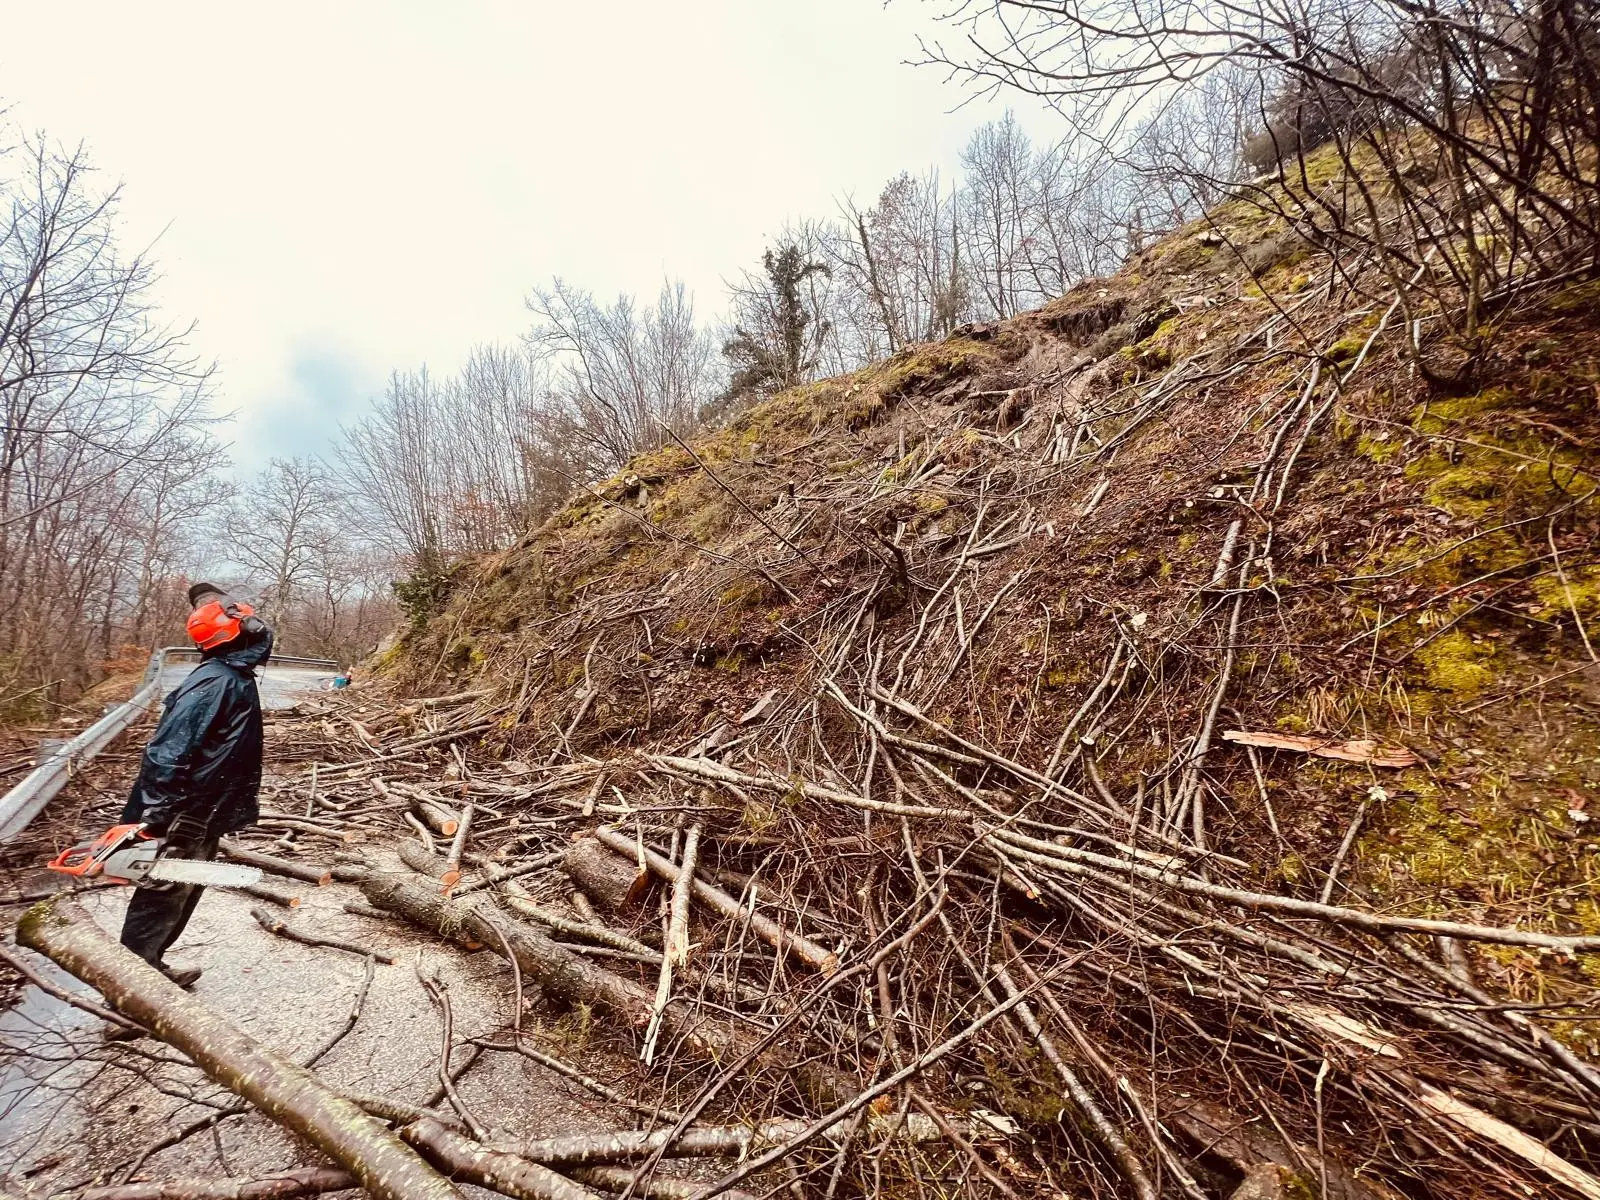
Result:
{"points": [[215, 624]]}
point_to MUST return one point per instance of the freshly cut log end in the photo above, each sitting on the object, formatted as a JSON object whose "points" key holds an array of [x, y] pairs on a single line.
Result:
{"points": [[436, 817], [614, 883], [273, 895]]}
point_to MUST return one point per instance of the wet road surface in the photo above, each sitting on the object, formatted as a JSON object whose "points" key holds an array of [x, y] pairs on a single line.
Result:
{"points": [[281, 686], [72, 1107]]}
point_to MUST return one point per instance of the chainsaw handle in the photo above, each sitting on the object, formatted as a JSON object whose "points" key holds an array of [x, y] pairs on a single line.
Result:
{"points": [[75, 860], [86, 859]]}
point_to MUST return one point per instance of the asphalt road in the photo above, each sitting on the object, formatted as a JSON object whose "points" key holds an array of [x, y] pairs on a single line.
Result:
{"points": [[281, 686]]}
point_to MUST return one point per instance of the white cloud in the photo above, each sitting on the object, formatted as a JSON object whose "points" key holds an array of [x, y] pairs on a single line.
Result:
{"points": [[340, 189]]}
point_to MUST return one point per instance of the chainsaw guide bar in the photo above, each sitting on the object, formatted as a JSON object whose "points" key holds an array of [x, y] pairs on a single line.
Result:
{"points": [[127, 854]]}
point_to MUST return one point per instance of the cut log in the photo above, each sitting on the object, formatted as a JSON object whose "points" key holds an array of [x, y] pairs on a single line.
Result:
{"points": [[302, 1181], [505, 1173], [273, 865], [435, 816], [617, 885], [272, 895], [420, 859], [452, 860], [713, 897], [285, 1092]]}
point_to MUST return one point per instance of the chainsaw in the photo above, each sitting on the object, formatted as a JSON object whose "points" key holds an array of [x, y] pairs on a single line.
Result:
{"points": [[127, 854]]}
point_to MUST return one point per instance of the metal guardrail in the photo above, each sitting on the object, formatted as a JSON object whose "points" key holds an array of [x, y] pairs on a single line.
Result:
{"points": [[26, 801]]}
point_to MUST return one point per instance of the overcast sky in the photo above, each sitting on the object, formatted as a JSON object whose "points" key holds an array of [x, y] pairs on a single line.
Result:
{"points": [[337, 189]]}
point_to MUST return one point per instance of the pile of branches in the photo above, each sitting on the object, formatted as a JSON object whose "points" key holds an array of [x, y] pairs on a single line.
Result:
{"points": [[1009, 984]]}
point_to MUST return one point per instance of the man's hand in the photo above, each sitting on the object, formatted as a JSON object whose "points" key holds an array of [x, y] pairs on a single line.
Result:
{"points": [[185, 830]]}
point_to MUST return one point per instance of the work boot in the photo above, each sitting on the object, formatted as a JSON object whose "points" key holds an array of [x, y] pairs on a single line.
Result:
{"points": [[184, 977]]}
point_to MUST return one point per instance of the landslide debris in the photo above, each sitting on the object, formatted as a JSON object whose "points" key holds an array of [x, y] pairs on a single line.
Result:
{"points": [[933, 664]]}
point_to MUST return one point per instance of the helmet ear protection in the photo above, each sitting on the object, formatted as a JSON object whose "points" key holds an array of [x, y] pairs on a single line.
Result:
{"points": [[217, 623]]}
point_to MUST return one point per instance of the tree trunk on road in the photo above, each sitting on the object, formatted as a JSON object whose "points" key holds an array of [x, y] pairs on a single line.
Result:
{"points": [[289, 1094]]}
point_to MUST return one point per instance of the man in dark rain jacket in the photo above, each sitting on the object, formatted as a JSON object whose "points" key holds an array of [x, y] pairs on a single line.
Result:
{"points": [[201, 770]]}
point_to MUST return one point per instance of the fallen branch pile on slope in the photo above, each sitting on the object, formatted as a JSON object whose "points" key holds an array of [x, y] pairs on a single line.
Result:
{"points": [[922, 889]]}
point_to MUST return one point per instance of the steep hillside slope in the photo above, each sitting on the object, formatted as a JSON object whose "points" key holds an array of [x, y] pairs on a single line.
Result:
{"points": [[1028, 580]]}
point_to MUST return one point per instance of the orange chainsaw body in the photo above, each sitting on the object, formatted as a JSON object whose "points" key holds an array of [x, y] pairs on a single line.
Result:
{"points": [[88, 860]]}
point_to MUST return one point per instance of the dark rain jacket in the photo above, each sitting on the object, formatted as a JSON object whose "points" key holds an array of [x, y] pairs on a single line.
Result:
{"points": [[201, 770]]}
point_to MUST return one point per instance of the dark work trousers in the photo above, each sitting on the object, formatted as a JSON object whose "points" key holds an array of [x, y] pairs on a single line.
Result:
{"points": [[159, 911]]}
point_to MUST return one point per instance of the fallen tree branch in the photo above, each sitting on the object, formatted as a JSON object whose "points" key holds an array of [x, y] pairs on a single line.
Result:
{"points": [[1072, 860], [504, 1173], [676, 951], [282, 1186], [571, 979], [630, 1145], [599, 934], [22, 967], [1361, 750], [302, 1181], [653, 1187], [458, 847], [826, 1122], [279, 926], [604, 1091]]}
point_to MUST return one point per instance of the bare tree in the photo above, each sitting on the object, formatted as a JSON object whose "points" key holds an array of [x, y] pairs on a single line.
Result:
{"points": [[620, 375], [998, 213], [1479, 119], [1189, 152], [390, 459], [277, 519], [904, 255], [104, 449]]}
